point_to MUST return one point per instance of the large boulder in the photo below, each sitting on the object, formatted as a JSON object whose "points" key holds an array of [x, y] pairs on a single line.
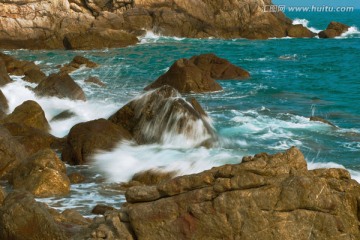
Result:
{"points": [[198, 74], [12, 153], [264, 197], [334, 29], [162, 116], [4, 76], [76, 63], [86, 138], [34, 76], [299, 31], [21, 217], [60, 85], [43, 174], [30, 114]]}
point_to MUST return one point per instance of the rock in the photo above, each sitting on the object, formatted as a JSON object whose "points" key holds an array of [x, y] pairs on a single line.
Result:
{"points": [[4, 106], [43, 174], [60, 85], [33, 139], [76, 63], [319, 119], [63, 116], [4, 76], [152, 177], [101, 209], [334, 29], [18, 67], [85, 139], [76, 178], [30, 114], [34, 76], [21, 217], [99, 39], [2, 195], [95, 80], [74, 217], [299, 31], [160, 113], [12, 153], [264, 197], [198, 74]]}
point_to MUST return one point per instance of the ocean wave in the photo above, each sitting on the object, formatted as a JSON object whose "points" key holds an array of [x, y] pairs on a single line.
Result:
{"points": [[151, 37], [352, 32], [305, 23]]}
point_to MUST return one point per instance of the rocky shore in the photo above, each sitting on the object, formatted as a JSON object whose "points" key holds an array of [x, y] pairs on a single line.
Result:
{"points": [[262, 197]]}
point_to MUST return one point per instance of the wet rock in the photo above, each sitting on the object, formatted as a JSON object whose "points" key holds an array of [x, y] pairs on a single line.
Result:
{"points": [[43, 174], [30, 114], [99, 39], [12, 153], [198, 74], [4, 106], [74, 217], [76, 178], [85, 139], [21, 217], [33, 139], [63, 116], [264, 197], [34, 76], [4, 76], [95, 80], [319, 119], [76, 63], [60, 85], [2, 195], [101, 209], [334, 29], [17, 67], [299, 31], [161, 113]]}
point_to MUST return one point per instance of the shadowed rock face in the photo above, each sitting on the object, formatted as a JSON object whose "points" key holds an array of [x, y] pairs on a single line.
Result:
{"points": [[161, 116]]}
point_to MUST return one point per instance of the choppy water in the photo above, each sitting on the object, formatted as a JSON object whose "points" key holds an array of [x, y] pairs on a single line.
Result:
{"points": [[292, 79]]}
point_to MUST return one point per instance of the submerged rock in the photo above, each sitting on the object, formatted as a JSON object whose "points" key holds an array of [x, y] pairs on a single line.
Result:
{"points": [[162, 116], [264, 197], [76, 63], [85, 139], [95, 80], [30, 114], [43, 174], [63, 116], [198, 74], [60, 85], [319, 119], [334, 29]]}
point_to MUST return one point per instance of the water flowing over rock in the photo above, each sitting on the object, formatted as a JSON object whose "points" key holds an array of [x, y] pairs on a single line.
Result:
{"points": [[162, 116], [198, 74], [76, 63], [30, 114], [85, 139], [43, 174], [334, 29], [60, 85]]}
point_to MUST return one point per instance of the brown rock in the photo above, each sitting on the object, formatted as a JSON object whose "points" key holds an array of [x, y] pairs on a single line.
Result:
{"points": [[4, 106], [12, 153], [98, 39], [155, 114], [85, 139], [76, 63], [299, 31], [34, 76], [17, 67], [74, 217], [2, 195], [334, 29], [43, 174], [4, 76], [101, 209], [60, 85], [63, 116], [319, 119], [76, 178], [30, 114], [21, 217], [95, 80], [152, 177]]}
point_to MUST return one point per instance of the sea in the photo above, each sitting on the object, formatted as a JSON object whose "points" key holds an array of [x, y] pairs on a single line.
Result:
{"points": [[291, 80]]}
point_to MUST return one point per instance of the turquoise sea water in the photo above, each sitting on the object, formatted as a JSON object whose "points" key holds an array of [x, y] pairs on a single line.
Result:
{"points": [[291, 80]]}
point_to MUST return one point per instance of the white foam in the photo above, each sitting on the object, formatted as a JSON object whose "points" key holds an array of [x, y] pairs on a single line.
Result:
{"points": [[352, 32], [151, 37], [305, 23], [317, 165]]}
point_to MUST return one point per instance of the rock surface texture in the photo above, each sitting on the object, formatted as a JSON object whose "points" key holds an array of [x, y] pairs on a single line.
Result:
{"points": [[75, 24], [334, 29]]}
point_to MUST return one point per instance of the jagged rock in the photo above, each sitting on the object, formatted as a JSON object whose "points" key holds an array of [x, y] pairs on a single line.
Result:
{"points": [[95, 80], [319, 119], [33, 139], [4, 76], [299, 31], [12, 153], [43, 174], [21, 217], [198, 74], [99, 38], [76, 178], [264, 197], [334, 29], [160, 113], [60, 85], [34, 76], [63, 116], [76, 63], [17, 67], [30, 114], [101, 209], [85, 139]]}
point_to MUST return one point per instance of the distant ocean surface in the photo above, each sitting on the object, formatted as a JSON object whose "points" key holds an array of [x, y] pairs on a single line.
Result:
{"points": [[291, 80]]}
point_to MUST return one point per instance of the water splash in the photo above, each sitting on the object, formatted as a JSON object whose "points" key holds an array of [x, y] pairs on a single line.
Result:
{"points": [[305, 23]]}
